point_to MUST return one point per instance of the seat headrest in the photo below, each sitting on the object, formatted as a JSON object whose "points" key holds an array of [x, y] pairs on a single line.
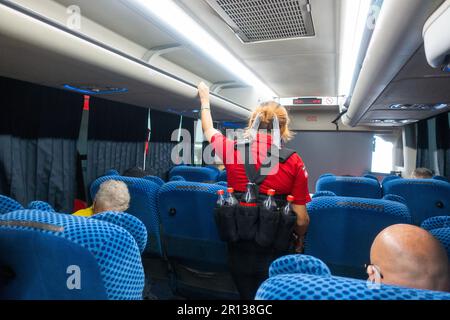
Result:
{"points": [[222, 183], [130, 223], [323, 194], [190, 187], [155, 179], [371, 176], [390, 178], [177, 178], [112, 172], [394, 208], [299, 264], [395, 198], [426, 198], [440, 178], [144, 194], [103, 257], [41, 206], [196, 174], [436, 223], [312, 287], [350, 186], [222, 176], [9, 205], [443, 235]]}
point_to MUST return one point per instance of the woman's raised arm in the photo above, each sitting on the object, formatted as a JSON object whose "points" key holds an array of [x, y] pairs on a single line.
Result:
{"points": [[207, 121]]}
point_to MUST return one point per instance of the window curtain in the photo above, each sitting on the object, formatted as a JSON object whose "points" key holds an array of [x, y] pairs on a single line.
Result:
{"points": [[443, 144], [116, 137], [433, 145], [38, 132], [399, 160], [159, 160], [423, 146]]}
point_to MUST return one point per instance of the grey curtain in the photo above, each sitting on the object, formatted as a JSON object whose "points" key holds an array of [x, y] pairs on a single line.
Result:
{"points": [[38, 131], [159, 158], [42, 169], [106, 155], [433, 145], [423, 146], [443, 144]]}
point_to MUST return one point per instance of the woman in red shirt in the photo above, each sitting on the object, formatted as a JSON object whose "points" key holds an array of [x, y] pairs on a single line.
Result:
{"points": [[248, 263]]}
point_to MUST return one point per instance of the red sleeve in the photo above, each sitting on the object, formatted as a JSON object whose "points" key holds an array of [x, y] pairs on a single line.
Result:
{"points": [[223, 147], [301, 190]]}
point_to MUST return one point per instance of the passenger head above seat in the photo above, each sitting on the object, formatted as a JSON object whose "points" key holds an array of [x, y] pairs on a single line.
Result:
{"points": [[137, 172], [422, 173], [112, 196], [408, 256]]}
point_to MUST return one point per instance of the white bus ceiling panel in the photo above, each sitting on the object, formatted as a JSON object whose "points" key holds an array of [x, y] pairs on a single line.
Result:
{"points": [[289, 67], [52, 52], [117, 16], [397, 37], [417, 83]]}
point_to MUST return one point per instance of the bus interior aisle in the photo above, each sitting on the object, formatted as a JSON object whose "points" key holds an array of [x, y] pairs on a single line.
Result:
{"points": [[224, 150]]}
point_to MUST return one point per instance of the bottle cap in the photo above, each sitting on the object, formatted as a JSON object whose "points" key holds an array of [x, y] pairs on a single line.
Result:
{"points": [[221, 192], [230, 190], [290, 198], [271, 192]]}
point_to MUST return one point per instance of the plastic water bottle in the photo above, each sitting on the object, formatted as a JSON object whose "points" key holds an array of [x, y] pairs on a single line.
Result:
{"points": [[249, 199], [231, 200], [221, 199], [288, 211], [270, 203]]}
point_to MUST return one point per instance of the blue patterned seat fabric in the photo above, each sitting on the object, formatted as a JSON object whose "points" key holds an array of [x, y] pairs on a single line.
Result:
{"points": [[436, 223], [130, 223], [361, 187], [192, 242], [222, 176], [195, 174], [440, 178], [177, 178], [190, 230], [443, 235], [222, 183], [101, 257], [342, 230], [8, 205], [41, 206], [388, 179], [395, 198], [311, 287], [425, 198], [298, 263], [371, 176], [155, 179], [323, 194], [112, 172], [143, 206]]}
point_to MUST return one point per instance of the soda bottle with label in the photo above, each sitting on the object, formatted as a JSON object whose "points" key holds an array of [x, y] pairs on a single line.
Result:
{"points": [[220, 199], [249, 199], [231, 200], [288, 211], [270, 203]]}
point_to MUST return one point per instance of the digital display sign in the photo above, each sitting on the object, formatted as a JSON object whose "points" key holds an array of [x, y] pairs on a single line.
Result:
{"points": [[307, 101]]}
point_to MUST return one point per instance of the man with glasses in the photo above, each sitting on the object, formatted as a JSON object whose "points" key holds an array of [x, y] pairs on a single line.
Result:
{"points": [[408, 256]]}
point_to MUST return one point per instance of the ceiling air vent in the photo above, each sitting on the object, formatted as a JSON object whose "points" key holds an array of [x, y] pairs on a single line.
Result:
{"points": [[266, 20]]}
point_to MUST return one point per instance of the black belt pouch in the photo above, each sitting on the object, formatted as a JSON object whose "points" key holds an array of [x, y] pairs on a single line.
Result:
{"points": [[226, 223], [247, 222], [267, 227], [284, 237]]}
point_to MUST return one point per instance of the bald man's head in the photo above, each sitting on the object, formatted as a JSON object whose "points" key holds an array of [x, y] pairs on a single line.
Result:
{"points": [[409, 256]]}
